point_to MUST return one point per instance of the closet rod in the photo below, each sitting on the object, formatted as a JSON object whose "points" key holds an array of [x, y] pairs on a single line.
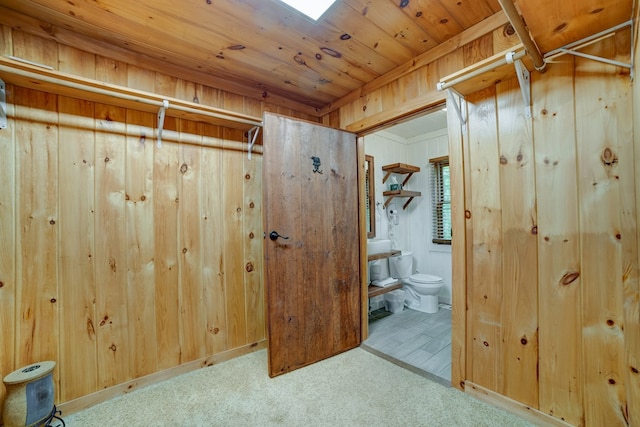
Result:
{"points": [[32, 77], [442, 85]]}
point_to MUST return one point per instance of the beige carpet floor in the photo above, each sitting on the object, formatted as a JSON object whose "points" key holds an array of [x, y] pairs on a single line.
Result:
{"points": [[355, 388]]}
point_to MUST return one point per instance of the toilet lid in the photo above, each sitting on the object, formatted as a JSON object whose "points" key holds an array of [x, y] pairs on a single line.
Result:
{"points": [[425, 278]]}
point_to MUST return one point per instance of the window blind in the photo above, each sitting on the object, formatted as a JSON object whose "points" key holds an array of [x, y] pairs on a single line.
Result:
{"points": [[440, 200]]}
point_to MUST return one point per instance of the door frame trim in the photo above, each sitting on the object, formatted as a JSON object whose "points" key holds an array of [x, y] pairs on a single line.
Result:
{"points": [[458, 242]]}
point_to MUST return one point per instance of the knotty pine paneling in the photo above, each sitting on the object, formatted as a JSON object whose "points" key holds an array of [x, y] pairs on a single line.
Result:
{"points": [[549, 280], [8, 239], [582, 157], [605, 161], [41, 50], [118, 258], [485, 323], [632, 287], [558, 244], [582, 265], [416, 90], [519, 257], [110, 248], [76, 156]]}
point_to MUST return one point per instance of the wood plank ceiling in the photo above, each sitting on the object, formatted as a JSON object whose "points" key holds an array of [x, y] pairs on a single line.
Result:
{"points": [[264, 45]]}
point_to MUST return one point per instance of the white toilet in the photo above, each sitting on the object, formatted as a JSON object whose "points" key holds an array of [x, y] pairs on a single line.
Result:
{"points": [[421, 290]]}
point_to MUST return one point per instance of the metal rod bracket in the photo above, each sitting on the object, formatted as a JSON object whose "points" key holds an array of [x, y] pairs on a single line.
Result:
{"points": [[3, 105], [596, 58], [572, 48], [456, 105], [524, 79], [251, 140], [161, 114]]}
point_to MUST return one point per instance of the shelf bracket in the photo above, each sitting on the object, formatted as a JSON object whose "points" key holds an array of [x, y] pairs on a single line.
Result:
{"points": [[404, 183], [596, 58], [524, 78], [457, 105], [251, 139], [572, 48], [407, 203], [161, 114], [3, 105]]}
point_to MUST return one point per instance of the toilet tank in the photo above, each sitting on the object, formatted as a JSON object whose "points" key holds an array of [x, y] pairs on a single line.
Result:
{"points": [[401, 266]]}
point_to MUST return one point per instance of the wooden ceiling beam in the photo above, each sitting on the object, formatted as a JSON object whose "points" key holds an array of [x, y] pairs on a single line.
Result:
{"points": [[522, 31]]}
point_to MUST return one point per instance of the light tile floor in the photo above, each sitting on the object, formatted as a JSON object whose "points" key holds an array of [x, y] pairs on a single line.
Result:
{"points": [[419, 341]]}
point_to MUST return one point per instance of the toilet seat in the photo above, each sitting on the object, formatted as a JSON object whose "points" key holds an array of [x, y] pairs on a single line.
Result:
{"points": [[425, 280]]}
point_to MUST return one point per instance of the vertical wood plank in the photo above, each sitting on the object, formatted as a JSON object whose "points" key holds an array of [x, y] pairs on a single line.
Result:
{"points": [[193, 332], [110, 247], [288, 300], [519, 255], [233, 204], [460, 189], [486, 295], [624, 114], [362, 230], [140, 232], [193, 318], [457, 172], [597, 101], [166, 204], [6, 40], [632, 290], [213, 238], [253, 252], [469, 262], [37, 293], [477, 50], [8, 241], [76, 155], [8, 222], [37, 222], [234, 239], [560, 342], [314, 224], [110, 225]]}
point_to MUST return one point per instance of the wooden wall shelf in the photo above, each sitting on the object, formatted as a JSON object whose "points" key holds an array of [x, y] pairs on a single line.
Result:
{"points": [[400, 193], [383, 255], [399, 168], [375, 291], [402, 169], [48, 80]]}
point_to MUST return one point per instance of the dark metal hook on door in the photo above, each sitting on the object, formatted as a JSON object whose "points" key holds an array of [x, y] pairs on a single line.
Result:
{"points": [[316, 164], [274, 236]]}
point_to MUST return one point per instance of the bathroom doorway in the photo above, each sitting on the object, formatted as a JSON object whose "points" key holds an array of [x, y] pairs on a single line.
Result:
{"points": [[416, 340]]}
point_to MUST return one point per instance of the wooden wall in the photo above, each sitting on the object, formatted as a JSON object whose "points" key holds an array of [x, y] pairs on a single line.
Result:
{"points": [[119, 259], [552, 249], [381, 102], [546, 298]]}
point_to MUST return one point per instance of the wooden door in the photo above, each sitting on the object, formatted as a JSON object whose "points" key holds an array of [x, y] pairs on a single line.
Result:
{"points": [[312, 275]]}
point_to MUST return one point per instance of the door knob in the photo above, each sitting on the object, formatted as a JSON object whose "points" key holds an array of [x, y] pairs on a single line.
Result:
{"points": [[274, 236]]}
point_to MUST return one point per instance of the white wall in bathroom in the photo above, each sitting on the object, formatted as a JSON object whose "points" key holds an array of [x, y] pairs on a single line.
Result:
{"points": [[387, 148], [429, 258], [414, 231]]}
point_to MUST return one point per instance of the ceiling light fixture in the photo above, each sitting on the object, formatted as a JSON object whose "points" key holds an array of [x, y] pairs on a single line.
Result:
{"points": [[313, 9]]}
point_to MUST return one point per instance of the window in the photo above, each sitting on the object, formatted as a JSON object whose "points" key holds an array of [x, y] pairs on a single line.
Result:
{"points": [[314, 9], [441, 200]]}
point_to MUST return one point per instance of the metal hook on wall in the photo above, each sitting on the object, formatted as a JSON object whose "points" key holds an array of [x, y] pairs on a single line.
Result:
{"points": [[316, 164]]}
